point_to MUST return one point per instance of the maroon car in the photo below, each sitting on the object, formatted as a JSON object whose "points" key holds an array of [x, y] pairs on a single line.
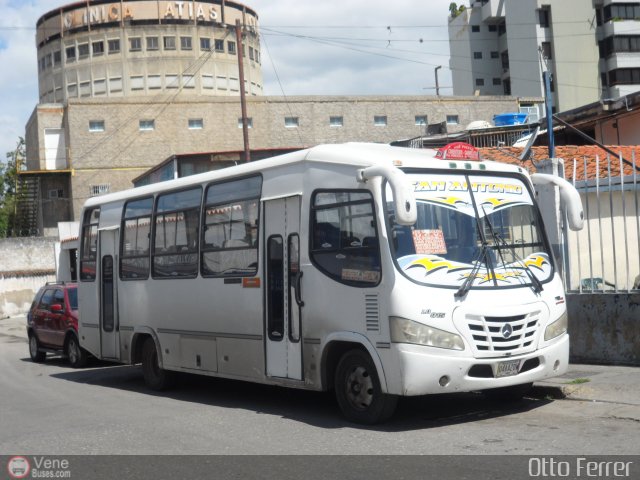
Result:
{"points": [[52, 324]]}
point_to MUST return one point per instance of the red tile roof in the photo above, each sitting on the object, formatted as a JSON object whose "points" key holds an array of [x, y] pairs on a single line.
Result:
{"points": [[569, 153]]}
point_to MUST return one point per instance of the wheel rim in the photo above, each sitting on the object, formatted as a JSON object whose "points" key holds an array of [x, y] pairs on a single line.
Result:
{"points": [[73, 352], [359, 388], [33, 346]]}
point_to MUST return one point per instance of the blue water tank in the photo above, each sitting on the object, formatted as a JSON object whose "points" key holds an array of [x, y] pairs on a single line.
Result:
{"points": [[504, 119]]}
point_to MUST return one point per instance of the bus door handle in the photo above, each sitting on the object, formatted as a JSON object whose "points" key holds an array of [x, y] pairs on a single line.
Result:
{"points": [[297, 289]]}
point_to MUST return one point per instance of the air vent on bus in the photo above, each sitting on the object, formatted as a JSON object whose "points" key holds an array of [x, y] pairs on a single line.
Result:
{"points": [[372, 312]]}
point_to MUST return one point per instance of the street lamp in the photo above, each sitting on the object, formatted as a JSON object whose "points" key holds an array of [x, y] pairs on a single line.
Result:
{"points": [[437, 85]]}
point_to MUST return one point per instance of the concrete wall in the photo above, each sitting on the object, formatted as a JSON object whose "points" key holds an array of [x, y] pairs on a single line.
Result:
{"points": [[25, 265], [604, 328]]}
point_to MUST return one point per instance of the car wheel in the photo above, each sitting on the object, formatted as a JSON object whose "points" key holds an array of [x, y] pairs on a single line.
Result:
{"points": [[34, 349], [76, 355], [155, 377], [358, 392], [513, 393]]}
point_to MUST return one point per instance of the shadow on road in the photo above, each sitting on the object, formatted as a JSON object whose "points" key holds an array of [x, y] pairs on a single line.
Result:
{"points": [[314, 408]]}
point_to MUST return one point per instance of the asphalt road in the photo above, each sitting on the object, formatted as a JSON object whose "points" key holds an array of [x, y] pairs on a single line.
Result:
{"points": [[51, 409]]}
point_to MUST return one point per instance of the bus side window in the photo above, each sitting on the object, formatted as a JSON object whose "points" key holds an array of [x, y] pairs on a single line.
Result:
{"points": [[175, 237], [89, 245], [344, 240]]}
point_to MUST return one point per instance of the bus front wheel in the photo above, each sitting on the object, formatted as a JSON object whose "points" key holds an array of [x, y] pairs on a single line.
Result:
{"points": [[358, 391], [155, 377]]}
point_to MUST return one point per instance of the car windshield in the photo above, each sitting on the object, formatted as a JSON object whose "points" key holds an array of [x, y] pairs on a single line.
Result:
{"points": [[473, 231], [73, 298]]}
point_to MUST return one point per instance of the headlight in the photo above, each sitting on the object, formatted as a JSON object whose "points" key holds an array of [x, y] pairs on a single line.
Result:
{"points": [[556, 328], [407, 331]]}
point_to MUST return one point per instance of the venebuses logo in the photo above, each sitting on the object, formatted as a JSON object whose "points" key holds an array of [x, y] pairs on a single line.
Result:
{"points": [[18, 467]]}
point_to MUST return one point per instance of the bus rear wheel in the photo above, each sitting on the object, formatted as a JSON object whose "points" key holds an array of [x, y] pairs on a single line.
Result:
{"points": [[358, 391], [155, 377]]}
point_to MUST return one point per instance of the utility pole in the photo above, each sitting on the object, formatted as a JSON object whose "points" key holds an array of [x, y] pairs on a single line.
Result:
{"points": [[437, 85], [243, 100]]}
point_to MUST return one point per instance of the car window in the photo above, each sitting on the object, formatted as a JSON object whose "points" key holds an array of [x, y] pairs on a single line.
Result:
{"points": [[73, 298], [58, 297], [47, 297]]}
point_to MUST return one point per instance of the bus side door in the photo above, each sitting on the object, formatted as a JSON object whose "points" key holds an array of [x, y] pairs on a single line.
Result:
{"points": [[109, 326], [283, 296]]}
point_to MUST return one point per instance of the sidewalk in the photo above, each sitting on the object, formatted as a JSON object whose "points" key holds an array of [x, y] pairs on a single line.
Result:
{"points": [[596, 383]]}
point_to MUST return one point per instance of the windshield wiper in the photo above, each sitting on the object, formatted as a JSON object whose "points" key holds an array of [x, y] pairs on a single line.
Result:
{"points": [[536, 284], [468, 282]]}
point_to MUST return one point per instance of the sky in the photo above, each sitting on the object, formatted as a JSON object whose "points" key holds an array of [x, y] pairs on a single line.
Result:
{"points": [[309, 47]]}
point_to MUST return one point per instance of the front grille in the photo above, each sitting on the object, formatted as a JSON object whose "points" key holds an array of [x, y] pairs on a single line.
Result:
{"points": [[503, 334]]}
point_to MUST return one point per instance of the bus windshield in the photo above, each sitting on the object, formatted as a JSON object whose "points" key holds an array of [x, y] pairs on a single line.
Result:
{"points": [[472, 232]]}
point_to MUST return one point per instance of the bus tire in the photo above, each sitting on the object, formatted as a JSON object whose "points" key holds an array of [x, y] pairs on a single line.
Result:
{"points": [[155, 377], [514, 393], [76, 355], [34, 349], [358, 391]]}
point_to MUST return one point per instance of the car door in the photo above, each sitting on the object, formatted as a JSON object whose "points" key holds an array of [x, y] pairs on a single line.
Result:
{"points": [[57, 321], [41, 320]]}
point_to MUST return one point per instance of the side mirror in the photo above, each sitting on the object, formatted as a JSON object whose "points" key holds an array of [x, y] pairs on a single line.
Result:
{"points": [[571, 202], [57, 308], [403, 196]]}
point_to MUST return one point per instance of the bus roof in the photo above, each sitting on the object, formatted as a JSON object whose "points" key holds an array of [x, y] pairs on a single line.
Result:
{"points": [[355, 154]]}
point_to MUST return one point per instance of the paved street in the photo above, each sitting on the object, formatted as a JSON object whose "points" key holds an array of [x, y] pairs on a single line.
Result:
{"points": [[106, 409]]}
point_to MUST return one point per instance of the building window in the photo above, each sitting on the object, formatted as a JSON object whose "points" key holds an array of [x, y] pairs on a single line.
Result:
{"points": [[147, 125], [115, 84], [169, 43], [99, 86], [477, 55], [249, 122], [100, 189], [493, 28], [196, 124], [205, 44], [475, 28], [543, 16], [219, 45], [154, 82], [380, 120], [336, 121], [114, 45], [421, 120], [495, 55], [452, 120], [624, 76], [152, 43], [502, 29], [188, 81], [56, 193], [291, 122], [83, 50], [135, 44], [623, 11], [546, 50], [479, 82], [57, 57], [98, 48], [251, 56], [171, 80], [185, 43], [137, 82], [96, 125], [497, 81], [208, 82], [231, 48], [85, 89]]}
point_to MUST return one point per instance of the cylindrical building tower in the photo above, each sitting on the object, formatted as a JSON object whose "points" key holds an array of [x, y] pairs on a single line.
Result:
{"points": [[107, 48]]}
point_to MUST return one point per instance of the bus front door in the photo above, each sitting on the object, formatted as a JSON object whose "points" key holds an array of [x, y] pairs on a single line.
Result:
{"points": [[283, 296], [109, 328]]}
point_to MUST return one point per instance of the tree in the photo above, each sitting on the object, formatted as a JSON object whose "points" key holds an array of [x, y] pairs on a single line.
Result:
{"points": [[9, 188]]}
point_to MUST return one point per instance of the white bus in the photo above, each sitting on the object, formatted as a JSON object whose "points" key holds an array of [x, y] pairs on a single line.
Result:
{"points": [[372, 270]]}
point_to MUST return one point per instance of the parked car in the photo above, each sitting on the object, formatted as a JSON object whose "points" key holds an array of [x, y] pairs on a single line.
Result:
{"points": [[52, 324]]}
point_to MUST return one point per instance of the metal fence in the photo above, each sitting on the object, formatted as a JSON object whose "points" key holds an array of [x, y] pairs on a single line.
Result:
{"points": [[604, 256]]}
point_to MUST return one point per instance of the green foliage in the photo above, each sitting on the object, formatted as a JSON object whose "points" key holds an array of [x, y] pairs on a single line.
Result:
{"points": [[456, 10], [9, 186]]}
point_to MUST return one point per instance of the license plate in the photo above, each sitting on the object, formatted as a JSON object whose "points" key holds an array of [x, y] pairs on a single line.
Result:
{"points": [[507, 369]]}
